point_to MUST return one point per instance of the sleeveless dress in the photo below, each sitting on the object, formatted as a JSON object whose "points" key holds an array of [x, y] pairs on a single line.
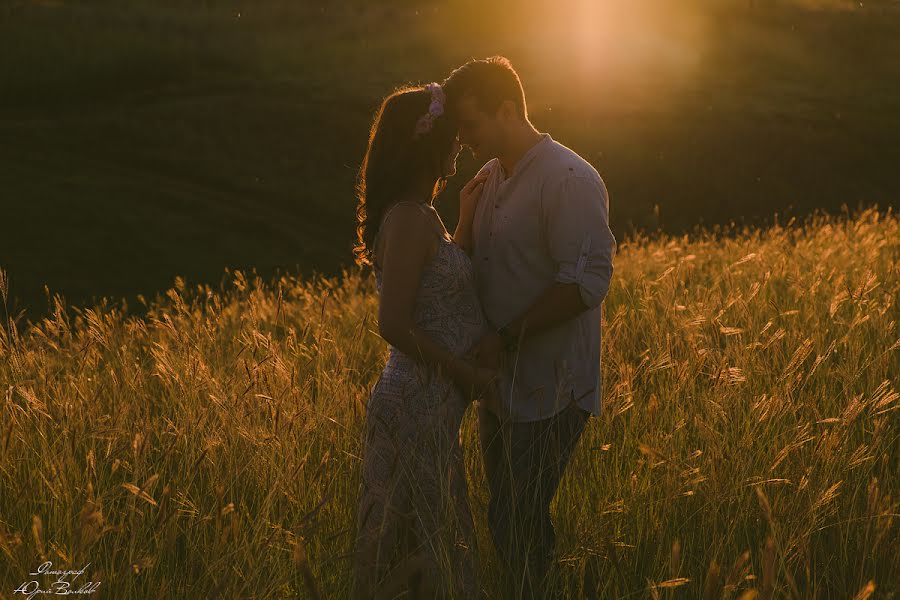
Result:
{"points": [[414, 525]]}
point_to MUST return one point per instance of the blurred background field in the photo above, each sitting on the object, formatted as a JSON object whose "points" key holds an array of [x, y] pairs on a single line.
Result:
{"points": [[211, 448], [206, 443], [144, 140]]}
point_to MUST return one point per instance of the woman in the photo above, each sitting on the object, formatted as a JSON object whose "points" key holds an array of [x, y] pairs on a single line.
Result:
{"points": [[415, 530]]}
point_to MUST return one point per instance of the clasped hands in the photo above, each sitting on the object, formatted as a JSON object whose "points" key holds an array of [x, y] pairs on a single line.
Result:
{"points": [[485, 360]]}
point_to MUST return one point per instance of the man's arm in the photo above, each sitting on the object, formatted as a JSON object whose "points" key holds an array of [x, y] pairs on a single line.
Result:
{"points": [[559, 303], [576, 216]]}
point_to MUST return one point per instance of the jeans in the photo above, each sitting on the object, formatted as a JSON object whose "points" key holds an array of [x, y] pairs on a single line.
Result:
{"points": [[524, 463]]}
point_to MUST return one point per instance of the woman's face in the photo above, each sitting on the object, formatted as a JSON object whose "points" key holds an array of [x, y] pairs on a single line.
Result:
{"points": [[449, 167]]}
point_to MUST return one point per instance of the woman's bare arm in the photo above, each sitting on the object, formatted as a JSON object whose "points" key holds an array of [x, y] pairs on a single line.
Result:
{"points": [[407, 239]]}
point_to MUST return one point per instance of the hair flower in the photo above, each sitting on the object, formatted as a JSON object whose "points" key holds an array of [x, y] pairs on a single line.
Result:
{"points": [[435, 109]]}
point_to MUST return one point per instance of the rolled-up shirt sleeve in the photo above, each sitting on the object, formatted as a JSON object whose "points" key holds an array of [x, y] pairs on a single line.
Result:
{"points": [[576, 213]]}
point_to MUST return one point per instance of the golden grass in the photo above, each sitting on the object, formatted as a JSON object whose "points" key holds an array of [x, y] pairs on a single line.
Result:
{"points": [[211, 449]]}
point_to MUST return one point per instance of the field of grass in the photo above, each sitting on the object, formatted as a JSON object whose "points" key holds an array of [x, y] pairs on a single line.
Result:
{"points": [[144, 139], [748, 445]]}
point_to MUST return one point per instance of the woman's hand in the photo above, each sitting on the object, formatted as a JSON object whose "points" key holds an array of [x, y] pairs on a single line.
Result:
{"points": [[470, 195], [468, 202]]}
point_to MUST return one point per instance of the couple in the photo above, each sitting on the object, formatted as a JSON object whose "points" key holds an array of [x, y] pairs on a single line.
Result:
{"points": [[506, 310]]}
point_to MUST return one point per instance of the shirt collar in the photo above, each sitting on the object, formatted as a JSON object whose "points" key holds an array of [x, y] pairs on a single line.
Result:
{"points": [[535, 150]]}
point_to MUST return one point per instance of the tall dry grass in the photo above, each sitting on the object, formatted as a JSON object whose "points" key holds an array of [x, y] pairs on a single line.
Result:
{"points": [[747, 448]]}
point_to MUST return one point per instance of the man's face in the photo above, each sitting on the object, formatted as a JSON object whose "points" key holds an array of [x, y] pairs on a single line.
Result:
{"points": [[481, 132]]}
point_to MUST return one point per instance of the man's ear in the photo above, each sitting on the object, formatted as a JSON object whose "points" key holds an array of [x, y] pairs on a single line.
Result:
{"points": [[508, 111]]}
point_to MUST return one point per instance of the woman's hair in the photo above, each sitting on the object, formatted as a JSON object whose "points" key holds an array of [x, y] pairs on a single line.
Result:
{"points": [[398, 159]]}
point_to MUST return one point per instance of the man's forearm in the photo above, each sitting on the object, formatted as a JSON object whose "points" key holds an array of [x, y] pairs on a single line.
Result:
{"points": [[557, 304]]}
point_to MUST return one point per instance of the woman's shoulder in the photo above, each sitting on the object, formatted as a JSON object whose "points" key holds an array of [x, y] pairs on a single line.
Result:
{"points": [[409, 223], [404, 212]]}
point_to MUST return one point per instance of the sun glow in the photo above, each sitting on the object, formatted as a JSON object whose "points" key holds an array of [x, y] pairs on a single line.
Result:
{"points": [[593, 46]]}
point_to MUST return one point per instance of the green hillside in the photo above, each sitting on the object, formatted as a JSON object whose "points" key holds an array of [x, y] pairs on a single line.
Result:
{"points": [[143, 140]]}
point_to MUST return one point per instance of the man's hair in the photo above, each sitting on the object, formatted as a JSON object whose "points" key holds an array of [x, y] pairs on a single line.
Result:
{"points": [[490, 81]]}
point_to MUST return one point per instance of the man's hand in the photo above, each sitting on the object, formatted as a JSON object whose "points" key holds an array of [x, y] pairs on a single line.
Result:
{"points": [[475, 380], [488, 352]]}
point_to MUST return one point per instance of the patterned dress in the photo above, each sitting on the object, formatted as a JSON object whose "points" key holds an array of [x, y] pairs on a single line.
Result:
{"points": [[414, 524]]}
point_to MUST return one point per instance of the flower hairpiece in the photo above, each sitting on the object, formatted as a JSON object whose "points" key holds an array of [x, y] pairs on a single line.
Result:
{"points": [[435, 109]]}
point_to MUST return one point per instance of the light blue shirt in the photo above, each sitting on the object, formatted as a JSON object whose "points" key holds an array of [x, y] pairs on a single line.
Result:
{"points": [[547, 222]]}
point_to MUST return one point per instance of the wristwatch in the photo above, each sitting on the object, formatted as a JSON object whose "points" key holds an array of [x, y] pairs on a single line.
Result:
{"points": [[510, 340]]}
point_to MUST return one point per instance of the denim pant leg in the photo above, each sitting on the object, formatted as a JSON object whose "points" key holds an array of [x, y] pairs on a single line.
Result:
{"points": [[524, 463], [493, 449]]}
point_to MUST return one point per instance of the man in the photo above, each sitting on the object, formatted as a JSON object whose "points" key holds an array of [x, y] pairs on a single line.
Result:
{"points": [[543, 252]]}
